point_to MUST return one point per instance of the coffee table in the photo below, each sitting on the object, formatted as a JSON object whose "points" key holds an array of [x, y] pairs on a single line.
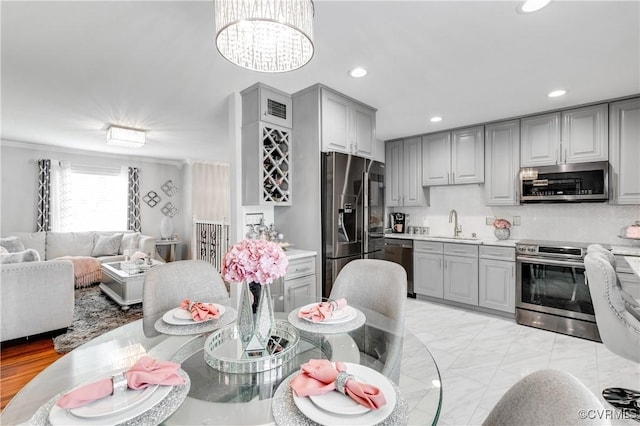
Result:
{"points": [[123, 287]]}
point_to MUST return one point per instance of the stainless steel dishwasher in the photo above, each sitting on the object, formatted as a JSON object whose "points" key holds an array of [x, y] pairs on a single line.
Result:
{"points": [[401, 252]]}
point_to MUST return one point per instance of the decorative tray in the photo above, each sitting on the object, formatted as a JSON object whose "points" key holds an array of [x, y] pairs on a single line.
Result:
{"points": [[223, 350]]}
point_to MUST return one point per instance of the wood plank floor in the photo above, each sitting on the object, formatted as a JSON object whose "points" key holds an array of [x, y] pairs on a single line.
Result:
{"points": [[21, 361]]}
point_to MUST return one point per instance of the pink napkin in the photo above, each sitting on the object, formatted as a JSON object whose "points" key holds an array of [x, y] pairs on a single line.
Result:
{"points": [[144, 373], [200, 311], [322, 311], [319, 376]]}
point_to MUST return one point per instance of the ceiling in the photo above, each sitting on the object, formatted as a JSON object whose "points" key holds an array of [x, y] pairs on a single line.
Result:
{"points": [[71, 69]]}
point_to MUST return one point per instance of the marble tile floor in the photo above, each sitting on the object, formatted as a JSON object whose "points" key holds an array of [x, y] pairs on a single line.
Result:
{"points": [[481, 356]]}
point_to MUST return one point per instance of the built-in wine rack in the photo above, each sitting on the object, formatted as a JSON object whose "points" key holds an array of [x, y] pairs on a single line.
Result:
{"points": [[276, 155]]}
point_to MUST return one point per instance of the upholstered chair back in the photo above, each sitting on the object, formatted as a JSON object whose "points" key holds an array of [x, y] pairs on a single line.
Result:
{"points": [[379, 288], [619, 328], [547, 397], [166, 285], [597, 248]]}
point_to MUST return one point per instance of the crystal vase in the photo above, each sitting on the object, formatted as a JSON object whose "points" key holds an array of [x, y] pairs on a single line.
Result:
{"points": [[245, 316], [502, 233], [264, 316]]}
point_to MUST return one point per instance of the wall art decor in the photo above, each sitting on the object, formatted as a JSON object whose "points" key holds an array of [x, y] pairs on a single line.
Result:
{"points": [[169, 188], [169, 210], [152, 198]]}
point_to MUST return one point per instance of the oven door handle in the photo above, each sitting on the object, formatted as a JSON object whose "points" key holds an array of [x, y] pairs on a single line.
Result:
{"points": [[539, 261]]}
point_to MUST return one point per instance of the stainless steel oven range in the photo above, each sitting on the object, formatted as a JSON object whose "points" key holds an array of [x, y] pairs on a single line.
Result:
{"points": [[551, 292]]}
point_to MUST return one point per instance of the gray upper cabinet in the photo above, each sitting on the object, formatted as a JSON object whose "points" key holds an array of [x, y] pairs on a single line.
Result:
{"points": [[436, 159], [347, 126], [573, 136], [467, 155], [540, 140], [624, 152], [403, 175], [502, 162], [455, 157], [584, 134]]}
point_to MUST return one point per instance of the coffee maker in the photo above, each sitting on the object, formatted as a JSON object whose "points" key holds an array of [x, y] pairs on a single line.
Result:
{"points": [[398, 221]]}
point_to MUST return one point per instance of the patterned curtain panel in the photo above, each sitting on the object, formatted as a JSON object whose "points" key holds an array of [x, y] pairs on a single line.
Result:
{"points": [[133, 210], [43, 221]]}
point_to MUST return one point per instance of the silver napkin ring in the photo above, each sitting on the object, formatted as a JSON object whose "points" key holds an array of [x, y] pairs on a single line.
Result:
{"points": [[119, 382], [341, 381]]}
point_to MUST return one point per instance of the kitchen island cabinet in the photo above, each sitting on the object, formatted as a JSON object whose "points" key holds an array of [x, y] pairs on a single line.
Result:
{"points": [[573, 136], [624, 152]]}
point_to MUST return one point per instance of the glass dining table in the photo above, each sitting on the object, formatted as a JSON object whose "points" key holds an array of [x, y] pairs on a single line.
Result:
{"points": [[221, 398]]}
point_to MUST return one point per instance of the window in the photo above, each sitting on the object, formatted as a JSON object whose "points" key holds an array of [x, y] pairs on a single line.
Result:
{"points": [[88, 198]]}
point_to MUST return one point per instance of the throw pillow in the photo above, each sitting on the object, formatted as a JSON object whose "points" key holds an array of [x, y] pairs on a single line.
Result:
{"points": [[130, 242], [28, 255], [107, 245], [3, 250], [12, 244]]}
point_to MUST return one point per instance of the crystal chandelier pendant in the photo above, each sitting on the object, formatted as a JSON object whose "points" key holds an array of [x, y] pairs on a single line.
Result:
{"points": [[265, 35]]}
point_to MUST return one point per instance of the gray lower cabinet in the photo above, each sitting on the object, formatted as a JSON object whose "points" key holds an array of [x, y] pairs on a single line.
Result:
{"points": [[428, 277], [299, 282], [461, 273], [497, 274]]}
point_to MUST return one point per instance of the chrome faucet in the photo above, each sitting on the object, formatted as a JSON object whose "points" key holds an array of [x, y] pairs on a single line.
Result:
{"points": [[457, 229]]}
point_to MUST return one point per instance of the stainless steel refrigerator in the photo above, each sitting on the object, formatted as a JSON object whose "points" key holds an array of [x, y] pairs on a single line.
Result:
{"points": [[352, 202]]}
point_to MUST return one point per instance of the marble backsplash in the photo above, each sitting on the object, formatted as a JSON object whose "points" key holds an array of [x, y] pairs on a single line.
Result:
{"points": [[580, 222]]}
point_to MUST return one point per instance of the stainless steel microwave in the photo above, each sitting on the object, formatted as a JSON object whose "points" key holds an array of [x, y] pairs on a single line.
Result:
{"points": [[581, 182]]}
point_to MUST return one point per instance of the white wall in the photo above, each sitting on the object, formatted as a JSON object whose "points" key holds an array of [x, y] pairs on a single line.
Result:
{"points": [[579, 222], [19, 185]]}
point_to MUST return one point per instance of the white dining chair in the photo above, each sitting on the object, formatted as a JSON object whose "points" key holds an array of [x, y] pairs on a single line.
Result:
{"points": [[168, 284], [380, 288]]}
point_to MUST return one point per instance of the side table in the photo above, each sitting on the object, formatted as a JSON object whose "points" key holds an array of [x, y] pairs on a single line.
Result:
{"points": [[170, 254]]}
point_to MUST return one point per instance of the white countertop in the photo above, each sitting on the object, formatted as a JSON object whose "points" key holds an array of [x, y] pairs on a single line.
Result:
{"points": [[299, 254], [473, 241], [626, 250], [634, 262]]}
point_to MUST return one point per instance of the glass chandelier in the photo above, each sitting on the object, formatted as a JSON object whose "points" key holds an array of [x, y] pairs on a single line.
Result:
{"points": [[265, 35]]}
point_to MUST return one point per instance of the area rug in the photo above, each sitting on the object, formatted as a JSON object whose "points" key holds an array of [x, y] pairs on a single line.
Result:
{"points": [[94, 314]]}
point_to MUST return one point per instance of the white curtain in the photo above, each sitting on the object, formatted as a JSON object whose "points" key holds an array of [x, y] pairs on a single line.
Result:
{"points": [[211, 191]]}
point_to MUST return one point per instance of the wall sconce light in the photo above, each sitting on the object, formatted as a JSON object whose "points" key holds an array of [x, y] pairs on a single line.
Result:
{"points": [[120, 136]]}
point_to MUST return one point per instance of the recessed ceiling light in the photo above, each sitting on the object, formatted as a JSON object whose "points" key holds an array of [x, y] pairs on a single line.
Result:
{"points": [[358, 72], [530, 6], [435, 119], [557, 93]]}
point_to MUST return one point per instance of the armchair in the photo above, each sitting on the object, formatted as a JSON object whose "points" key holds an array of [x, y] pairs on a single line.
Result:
{"points": [[618, 319]]}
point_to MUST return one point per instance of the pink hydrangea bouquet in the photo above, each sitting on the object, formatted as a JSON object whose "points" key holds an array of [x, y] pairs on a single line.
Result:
{"points": [[501, 224], [257, 261]]}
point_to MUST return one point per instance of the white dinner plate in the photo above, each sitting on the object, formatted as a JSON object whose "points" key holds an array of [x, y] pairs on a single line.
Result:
{"points": [[179, 316], [338, 317], [338, 403], [371, 417], [59, 416], [113, 404]]}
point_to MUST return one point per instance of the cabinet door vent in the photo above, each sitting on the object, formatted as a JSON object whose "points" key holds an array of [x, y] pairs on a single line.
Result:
{"points": [[276, 109]]}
